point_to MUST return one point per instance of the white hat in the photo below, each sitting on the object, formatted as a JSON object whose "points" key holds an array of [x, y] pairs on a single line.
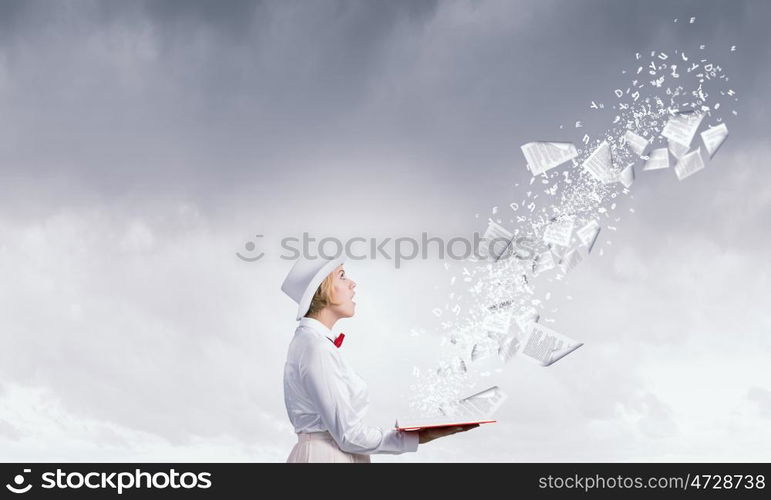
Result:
{"points": [[304, 279]]}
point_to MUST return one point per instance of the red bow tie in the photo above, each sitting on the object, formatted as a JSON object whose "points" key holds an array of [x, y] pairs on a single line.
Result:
{"points": [[339, 340]]}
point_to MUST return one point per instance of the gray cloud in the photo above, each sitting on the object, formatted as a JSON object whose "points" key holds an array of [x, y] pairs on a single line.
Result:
{"points": [[761, 397], [165, 97]]}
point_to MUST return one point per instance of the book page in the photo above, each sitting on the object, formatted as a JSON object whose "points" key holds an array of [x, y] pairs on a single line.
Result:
{"points": [[682, 127], [558, 251], [689, 164], [571, 260], [626, 176], [677, 149], [476, 408], [588, 234], [600, 163], [483, 403], [497, 321], [544, 262], [495, 241], [714, 137], [545, 346], [559, 232], [659, 158], [524, 317], [508, 347], [543, 156], [635, 142]]}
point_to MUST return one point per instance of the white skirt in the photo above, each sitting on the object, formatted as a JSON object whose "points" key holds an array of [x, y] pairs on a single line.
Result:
{"points": [[321, 447]]}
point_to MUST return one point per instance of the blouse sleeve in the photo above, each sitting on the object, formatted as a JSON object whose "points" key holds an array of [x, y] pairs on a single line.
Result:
{"points": [[323, 375]]}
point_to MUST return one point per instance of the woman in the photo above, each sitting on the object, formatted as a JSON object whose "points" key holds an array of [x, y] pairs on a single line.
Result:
{"points": [[325, 399]]}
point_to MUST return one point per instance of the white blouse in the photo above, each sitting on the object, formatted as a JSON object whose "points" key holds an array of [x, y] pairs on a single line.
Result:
{"points": [[322, 393]]}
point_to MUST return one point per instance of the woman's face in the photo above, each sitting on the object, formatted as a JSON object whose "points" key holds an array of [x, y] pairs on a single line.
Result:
{"points": [[343, 293]]}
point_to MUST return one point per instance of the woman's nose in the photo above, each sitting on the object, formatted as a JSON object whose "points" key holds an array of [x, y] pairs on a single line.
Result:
{"points": [[353, 284]]}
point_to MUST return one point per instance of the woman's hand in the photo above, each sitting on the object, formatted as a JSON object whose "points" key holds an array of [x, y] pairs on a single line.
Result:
{"points": [[426, 435]]}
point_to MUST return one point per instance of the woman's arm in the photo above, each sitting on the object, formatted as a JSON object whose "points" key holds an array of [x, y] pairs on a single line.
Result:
{"points": [[323, 375]]}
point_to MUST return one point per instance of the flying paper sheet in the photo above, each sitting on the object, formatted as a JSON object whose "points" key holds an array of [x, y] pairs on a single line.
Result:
{"points": [[588, 234], [635, 142], [508, 347], [571, 260], [497, 322], [689, 164], [714, 137], [484, 403], [659, 158], [495, 241], [626, 176], [543, 262], [600, 163], [682, 127], [558, 251], [501, 305], [524, 317], [477, 408], [520, 322], [478, 352], [677, 149], [546, 346], [559, 232], [543, 156]]}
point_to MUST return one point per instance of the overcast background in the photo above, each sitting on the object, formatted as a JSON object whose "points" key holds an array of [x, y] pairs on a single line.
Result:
{"points": [[143, 143]]}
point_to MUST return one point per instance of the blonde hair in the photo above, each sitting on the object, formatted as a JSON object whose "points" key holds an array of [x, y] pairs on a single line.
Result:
{"points": [[323, 297]]}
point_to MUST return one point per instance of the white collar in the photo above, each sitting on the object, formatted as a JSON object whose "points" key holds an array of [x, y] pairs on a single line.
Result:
{"points": [[316, 325]]}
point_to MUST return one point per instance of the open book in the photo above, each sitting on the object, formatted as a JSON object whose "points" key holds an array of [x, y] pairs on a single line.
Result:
{"points": [[475, 409]]}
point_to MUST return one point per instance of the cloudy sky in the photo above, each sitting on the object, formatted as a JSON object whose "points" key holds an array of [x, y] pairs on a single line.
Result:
{"points": [[142, 144]]}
